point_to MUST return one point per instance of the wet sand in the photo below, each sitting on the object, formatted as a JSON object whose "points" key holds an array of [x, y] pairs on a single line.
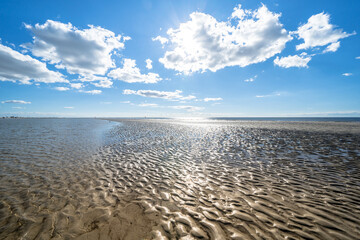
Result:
{"points": [[172, 179]]}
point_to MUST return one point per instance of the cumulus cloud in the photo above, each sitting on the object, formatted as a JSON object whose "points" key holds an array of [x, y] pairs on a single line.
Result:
{"points": [[293, 61], [187, 108], [15, 66], [98, 81], [162, 40], [204, 43], [93, 92], [212, 99], [173, 96], [347, 74], [76, 85], [84, 52], [103, 83], [318, 32], [92, 78], [16, 101], [148, 63], [131, 74], [62, 88]]}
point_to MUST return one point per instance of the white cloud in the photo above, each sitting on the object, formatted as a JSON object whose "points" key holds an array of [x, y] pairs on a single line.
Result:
{"points": [[189, 97], [76, 85], [93, 92], [92, 78], [357, 57], [69, 107], [97, 81], [104, 83], [162, 40], [174, 96], [105, 102], [212, 99], [131, 74], [203, 43], [293, 61], [332, 47], [15, 66], [319, 32], [148, 105], [251, 79], [347, 74], [148, 63], [16, 101], [62, 88], [126, 102], [84, 52], [187, 108], [275, 94]]}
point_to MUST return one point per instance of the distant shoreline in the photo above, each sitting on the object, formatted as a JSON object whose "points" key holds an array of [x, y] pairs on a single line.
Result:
{"points": [[275, 119]]}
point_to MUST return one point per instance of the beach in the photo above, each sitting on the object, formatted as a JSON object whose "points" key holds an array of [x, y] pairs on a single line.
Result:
{"points": [[179, 179]]}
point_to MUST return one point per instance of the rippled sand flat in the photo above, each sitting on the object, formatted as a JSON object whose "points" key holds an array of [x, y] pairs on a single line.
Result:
{"points": [[172, 179]]}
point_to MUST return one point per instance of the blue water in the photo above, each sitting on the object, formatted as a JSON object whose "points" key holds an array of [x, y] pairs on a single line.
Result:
{"points": [[296, 119], [50, 140], [277, 119]]}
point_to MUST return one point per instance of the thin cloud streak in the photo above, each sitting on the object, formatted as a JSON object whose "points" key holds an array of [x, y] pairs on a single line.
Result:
{"points": [[276, 94], [16, 101]]}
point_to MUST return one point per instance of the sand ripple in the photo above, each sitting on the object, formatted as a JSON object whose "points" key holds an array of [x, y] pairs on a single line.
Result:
{"points": [[191, 180]]}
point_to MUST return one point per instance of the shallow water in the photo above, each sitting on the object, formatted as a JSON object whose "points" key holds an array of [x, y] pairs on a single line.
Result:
{"points": [[180, 179]]}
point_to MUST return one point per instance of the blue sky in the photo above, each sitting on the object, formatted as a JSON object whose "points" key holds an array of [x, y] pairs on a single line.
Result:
{"points": [[179, 58]]}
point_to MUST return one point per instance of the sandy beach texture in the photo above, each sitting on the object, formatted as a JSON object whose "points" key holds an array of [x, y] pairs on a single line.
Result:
{"points": [[172, 179]]}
